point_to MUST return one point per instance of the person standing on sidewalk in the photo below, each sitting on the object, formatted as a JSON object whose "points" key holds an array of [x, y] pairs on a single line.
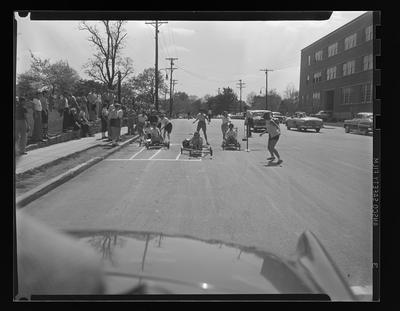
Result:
{"points": [[45, 113], [37, 134], [274, 133], [21, 125], [130, 114], [120, 115], [64, 110], [113, 120], [104, 121]]}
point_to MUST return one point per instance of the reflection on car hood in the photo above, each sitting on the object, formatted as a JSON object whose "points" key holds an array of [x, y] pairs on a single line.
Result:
{"points": [[311, 119], [186, 265]]}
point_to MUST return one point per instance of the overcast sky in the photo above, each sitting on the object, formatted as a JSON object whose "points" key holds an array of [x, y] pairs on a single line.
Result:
{"points": [[211, 54]]}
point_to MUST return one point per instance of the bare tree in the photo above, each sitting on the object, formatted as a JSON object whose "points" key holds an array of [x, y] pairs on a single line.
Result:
{"points": [[107, 60]]}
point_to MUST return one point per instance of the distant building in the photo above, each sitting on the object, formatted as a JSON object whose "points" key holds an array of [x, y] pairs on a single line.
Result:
{"points": [[336, 71]]}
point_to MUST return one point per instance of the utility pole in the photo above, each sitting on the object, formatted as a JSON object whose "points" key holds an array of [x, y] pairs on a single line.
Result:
{"points": [[266, 87], [156, 24], [171, 59], [241, 85]]}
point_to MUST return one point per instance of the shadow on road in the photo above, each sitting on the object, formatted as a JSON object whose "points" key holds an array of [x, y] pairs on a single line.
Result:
{"points": [[272, 164]]}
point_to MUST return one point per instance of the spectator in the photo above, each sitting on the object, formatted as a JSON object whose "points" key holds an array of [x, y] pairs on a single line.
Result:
{"points": [[84, 123], [92, 108], [72, 101], [45, 113], [37, 134], [75, 123], [104, 118], [113, 121], [130, 114], [82, 101], [21, 125], [64, 109], [120, 115]]}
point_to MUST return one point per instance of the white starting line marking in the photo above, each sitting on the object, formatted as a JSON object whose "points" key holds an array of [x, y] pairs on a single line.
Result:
{"points": [[136, 153], [172, 160], [155, 154]]}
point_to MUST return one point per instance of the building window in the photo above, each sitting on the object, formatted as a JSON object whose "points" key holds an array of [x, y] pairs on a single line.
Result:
{"points": [[346, 92], [368, 33], [316, 96], [366, 93], [350, 41], [331, 73], [308, 79], [367, 60], [318, 56], [349, 68], [332, 49], [309, 59], [317, 77]]}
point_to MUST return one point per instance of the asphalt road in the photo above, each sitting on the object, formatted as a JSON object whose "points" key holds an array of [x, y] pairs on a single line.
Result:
{"points": [[323, 185]]}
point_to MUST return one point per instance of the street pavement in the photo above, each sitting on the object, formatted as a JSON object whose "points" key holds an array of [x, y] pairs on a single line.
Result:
{"points": [[323, 185]]}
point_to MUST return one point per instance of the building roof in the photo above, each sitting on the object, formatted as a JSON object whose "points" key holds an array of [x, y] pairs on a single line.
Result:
{"points": [[338, 29]]}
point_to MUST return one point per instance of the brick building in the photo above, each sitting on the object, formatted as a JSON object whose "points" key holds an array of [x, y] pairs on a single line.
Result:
{"points": [[336, 71]]}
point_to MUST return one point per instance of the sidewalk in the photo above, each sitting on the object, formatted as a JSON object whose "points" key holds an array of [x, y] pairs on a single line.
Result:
{"points": [[38, 157]]}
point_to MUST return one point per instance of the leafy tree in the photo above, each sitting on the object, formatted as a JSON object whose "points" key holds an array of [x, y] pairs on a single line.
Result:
{"points": [[83, 87], [58, 77], [142, 86], [225, 101], [107, 60]]}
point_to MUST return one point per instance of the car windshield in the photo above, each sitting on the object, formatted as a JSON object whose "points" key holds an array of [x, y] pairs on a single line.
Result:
{"points": [[258, 114]]}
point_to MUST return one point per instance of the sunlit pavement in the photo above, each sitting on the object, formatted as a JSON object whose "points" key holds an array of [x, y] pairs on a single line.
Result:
{"points": [[323, 185]]}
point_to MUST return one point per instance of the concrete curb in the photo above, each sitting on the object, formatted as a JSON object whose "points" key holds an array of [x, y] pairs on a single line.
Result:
{"points": [[43, 166], [53, 183]]}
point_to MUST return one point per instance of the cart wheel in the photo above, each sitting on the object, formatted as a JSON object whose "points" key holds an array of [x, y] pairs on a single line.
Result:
{"points": [[211, 152]]}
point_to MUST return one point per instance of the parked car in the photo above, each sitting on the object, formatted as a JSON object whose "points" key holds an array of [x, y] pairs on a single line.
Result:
{"points": [[259, 123], [324, 115], [363, 122], [277, 116], [300, 121]]}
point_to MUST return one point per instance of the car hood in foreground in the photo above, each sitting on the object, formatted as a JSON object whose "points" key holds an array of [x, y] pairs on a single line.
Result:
{"points": [[184, 265]]}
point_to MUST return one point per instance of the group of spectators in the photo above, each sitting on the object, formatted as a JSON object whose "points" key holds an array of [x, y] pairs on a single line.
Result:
{"points": [[76, 114]]}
